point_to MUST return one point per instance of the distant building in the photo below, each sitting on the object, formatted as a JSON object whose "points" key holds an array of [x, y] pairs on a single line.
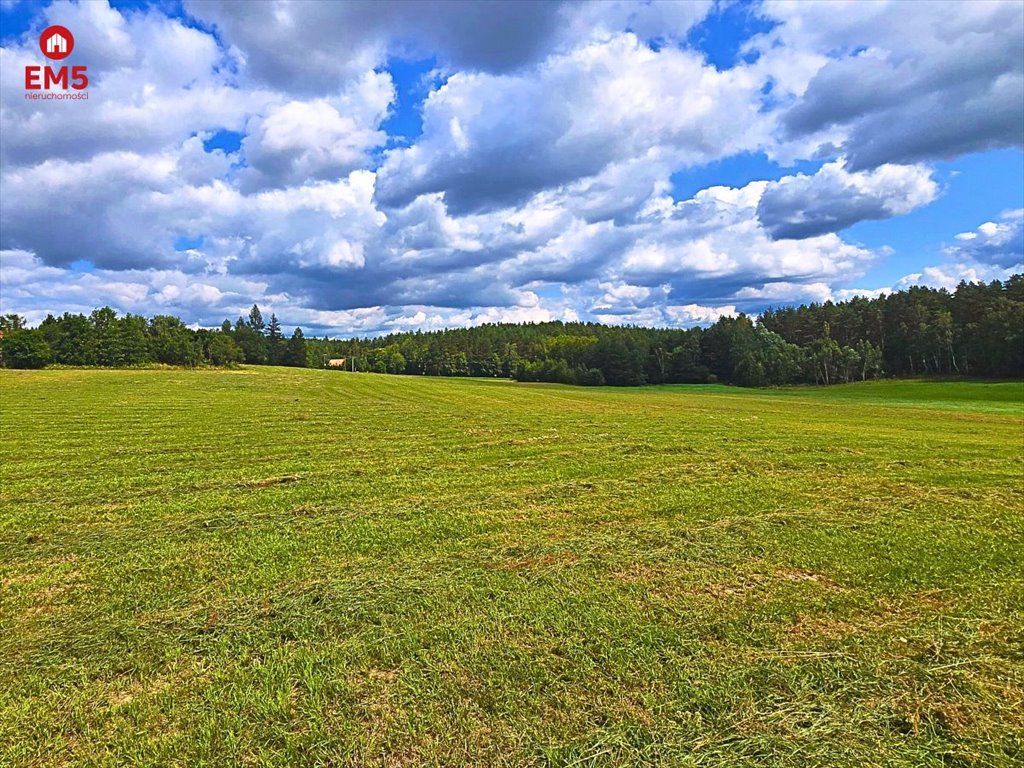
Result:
{"points": [[337, 362]]}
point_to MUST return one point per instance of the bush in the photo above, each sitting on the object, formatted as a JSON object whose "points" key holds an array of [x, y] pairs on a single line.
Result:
{"points": [[25, 349], [224, 351]]}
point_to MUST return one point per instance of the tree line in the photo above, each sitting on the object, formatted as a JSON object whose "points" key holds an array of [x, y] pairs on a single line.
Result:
{"points": [[976, 330], [104, 339]]}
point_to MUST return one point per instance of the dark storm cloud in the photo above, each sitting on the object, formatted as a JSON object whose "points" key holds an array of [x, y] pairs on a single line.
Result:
{"points": [[792, 212], [943, 126], [63, 219], [322, 290], [963, 91], [504, 174], [307, 45], [801, 206]]}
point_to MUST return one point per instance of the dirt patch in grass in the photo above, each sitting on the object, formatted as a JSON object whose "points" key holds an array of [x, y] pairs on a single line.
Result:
{"points": [[886, 615], [18, 579], [679, 579], [803, 576], [267, 482]]}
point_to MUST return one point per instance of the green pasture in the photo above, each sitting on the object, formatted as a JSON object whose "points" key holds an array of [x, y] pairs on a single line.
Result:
{"points": [[314, 568]]}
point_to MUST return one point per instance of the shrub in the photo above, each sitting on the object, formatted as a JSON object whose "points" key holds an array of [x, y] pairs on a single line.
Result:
{"points": [[25, 349]]}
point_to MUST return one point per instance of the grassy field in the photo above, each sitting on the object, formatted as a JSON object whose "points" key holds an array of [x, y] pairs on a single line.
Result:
{"points": [[288, 567]]}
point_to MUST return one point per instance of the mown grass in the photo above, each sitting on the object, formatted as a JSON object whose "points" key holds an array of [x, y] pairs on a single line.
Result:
{"points": [[281, 567]]}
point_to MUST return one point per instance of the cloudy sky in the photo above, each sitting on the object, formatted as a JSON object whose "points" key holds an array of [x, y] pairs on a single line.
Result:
{"points": [[371, 166]]}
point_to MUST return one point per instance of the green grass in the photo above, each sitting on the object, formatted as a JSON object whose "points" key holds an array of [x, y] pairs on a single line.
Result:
{"points": [[279, 567]]}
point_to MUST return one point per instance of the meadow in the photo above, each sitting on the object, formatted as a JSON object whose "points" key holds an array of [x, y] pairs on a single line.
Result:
{"points": [[308, 568]]}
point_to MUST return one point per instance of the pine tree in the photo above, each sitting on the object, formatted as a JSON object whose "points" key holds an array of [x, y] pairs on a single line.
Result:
{"points": [[256, 320], [275, 341], [295, 353]]}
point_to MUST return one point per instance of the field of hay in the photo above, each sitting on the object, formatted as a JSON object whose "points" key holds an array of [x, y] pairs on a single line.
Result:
{"points": [[291, 567]]}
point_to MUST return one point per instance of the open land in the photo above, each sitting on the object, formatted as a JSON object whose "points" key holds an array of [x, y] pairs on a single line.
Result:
{"points": [[296, 567]]}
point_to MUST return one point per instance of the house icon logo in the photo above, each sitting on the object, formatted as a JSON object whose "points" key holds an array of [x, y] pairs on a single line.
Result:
{"points": [[56, 42]]}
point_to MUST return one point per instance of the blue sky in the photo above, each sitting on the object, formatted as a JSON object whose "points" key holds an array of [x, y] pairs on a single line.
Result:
{"points": [[359, 168]]}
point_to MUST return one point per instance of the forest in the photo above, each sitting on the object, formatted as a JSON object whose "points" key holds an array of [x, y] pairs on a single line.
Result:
{"points": [[976, 330]]}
